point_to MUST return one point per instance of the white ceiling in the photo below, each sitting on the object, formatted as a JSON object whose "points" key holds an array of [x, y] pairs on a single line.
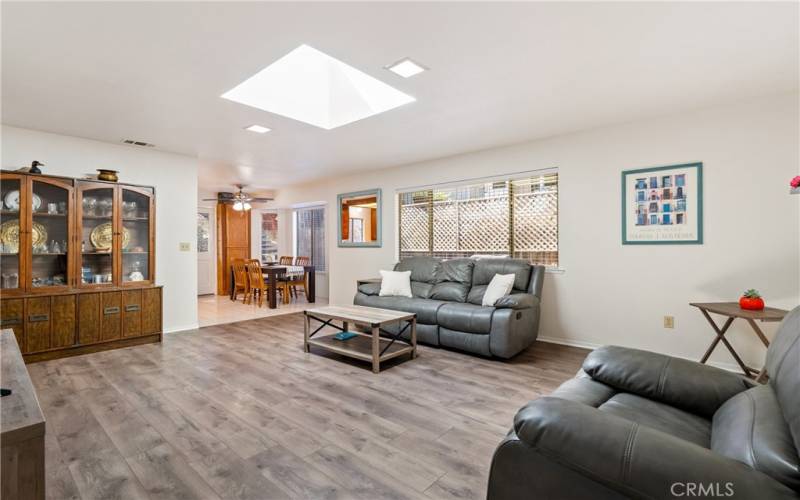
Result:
{"points": [[500, 73]]}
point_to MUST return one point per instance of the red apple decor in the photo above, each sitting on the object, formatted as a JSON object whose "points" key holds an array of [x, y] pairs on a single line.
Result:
{"points": [[751, 300]]}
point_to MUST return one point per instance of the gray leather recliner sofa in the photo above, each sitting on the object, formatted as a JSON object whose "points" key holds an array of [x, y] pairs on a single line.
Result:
{"points": [[447, 296], [636, 424]]}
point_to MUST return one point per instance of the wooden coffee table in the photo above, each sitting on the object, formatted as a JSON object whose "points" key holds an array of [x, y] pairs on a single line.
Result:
{"points": [[365, 346]]}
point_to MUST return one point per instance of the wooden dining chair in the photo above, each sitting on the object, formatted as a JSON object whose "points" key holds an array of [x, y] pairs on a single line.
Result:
{"points": [[301, 279], [240, 282], [255, 278], [286, 260]]}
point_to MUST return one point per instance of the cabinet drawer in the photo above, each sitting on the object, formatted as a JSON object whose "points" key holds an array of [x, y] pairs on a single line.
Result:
{"points": [[111, 316], [63, 322], [131, 313], [151, 311], [12, 316], [89, 318], [37, 324]]}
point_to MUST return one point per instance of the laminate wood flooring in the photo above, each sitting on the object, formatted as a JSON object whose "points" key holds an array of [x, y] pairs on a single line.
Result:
{"points": [[239, 411]]}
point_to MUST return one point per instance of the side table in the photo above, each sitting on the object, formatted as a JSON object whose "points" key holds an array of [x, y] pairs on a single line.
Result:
{"points": [[732, 311]]}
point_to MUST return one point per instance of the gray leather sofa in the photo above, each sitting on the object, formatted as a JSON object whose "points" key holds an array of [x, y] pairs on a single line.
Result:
{"points": [[447, 296], [636, 424]]}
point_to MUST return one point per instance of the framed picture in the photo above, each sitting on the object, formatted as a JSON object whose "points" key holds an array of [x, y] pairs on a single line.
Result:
{"points": [[663, 205]]}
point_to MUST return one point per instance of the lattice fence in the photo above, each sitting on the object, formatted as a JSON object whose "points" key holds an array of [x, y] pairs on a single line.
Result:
{"points": [[414, 228], [484, 225], [536, 222], [476, 219]]}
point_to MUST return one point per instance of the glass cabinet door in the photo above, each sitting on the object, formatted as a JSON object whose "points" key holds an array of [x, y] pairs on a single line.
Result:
{"points": [[49, 233], [96, 230], [136, 237], [11, 235]]}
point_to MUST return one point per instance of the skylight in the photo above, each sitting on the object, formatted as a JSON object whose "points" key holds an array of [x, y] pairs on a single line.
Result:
{"points": [[312, 87], [406, 68]]}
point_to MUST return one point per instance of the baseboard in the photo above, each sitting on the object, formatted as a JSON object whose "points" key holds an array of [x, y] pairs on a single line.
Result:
{"points": [[731, 367], [174, 329]]}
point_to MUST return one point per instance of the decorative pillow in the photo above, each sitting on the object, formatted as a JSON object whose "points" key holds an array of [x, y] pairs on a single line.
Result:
{"points": [[395, 284], [500, 286]]}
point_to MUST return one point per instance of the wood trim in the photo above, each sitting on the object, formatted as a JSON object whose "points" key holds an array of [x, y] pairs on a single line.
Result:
{"points": [[86, 349]]}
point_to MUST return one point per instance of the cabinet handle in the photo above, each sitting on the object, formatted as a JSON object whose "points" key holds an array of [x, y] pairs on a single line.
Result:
{"points": [[111, 310], [132, 307], [35, 318], [11, 321]]}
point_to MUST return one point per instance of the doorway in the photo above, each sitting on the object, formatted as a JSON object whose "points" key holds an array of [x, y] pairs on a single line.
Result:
{"points": [[206, 246]]}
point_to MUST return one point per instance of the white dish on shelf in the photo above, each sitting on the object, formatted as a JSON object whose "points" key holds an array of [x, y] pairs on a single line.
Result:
{"points": [[11, 200]]}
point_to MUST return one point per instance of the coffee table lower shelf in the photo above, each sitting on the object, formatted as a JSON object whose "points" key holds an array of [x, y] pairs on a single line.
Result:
{"points": [[360, 347]]}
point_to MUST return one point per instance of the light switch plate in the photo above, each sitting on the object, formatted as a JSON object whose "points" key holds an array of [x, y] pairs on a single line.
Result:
{"points": [[669, 322], [184, 246]]}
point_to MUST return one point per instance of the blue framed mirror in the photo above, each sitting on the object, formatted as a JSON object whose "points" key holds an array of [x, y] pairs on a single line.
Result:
{"points": [[359, 218]]}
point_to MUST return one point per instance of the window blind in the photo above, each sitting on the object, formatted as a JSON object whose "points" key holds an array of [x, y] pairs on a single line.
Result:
{"points": [[311, 236]]}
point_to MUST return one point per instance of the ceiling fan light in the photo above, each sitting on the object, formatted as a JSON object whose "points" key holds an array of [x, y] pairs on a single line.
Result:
{"points": [[238, 206], [247, 206]]}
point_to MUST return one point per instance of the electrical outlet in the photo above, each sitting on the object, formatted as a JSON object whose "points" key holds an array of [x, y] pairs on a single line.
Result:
{"points": [[184, 246], [669, 321]]}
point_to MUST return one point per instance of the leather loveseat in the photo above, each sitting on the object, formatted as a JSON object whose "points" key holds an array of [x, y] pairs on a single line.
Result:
{"points": [[447, 296], [636, 424]]}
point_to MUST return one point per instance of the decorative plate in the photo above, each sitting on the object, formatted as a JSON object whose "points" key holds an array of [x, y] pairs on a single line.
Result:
{"points": [[102, 237], [9, 235], [12, 200]]}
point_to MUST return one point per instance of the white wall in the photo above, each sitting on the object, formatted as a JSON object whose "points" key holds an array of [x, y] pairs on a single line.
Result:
{"points": [[175, 179], [615, 294]]}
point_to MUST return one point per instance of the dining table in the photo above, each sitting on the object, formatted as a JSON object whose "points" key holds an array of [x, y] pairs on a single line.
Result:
{"points": [[274, 273]]}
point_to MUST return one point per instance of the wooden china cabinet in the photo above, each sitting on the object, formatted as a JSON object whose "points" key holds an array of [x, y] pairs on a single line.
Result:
{"points": [[77, 264]]}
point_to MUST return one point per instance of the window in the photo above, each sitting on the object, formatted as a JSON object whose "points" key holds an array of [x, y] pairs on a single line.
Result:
{"points": [[310, 229], [269, 237], [203, 231], [517, 217]]}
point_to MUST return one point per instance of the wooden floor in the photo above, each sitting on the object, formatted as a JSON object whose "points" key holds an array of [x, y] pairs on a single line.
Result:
{"points": [[240, 411]]}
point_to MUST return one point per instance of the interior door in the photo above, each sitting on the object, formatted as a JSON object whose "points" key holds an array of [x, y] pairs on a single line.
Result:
{"points": [[205, 251]]}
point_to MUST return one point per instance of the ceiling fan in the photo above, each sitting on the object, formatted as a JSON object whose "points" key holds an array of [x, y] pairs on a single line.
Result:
{"points": [[239, 199]]}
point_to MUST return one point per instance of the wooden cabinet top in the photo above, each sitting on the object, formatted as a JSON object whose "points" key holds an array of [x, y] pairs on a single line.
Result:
{"points": [[79, 179], [21, 417]]}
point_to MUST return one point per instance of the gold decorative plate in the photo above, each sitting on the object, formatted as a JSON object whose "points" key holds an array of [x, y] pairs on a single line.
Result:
{"points": [[9, 235], [102, 237]]}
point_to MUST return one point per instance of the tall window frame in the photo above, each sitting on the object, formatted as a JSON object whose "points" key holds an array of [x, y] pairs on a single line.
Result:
{"points": [[515, 215]]}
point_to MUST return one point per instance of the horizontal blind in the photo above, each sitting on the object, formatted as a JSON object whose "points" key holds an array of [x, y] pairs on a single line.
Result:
{"points": [[311, 236], [516, 217]]}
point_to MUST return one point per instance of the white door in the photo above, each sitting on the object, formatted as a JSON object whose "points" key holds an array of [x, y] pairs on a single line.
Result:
{"points": [[206, 246]]}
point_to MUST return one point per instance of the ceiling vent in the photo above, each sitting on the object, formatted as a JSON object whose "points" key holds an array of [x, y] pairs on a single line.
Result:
{"points": [[138, 143]]}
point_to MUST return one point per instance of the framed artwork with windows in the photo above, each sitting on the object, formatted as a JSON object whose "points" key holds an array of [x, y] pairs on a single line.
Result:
{"points": [[663, 205]]}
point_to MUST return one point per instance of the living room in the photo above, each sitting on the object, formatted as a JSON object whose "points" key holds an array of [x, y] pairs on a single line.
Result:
{"points": [[576, 221]]}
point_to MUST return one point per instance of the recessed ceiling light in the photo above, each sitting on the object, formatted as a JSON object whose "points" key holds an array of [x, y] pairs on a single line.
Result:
{"points": [[312, 87], [258, 128], [406, 68]]}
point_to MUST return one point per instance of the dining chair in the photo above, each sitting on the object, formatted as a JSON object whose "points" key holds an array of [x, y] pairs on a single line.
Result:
{"points": [[300, 279], [286, 260], [240, 282], [256, 279]]}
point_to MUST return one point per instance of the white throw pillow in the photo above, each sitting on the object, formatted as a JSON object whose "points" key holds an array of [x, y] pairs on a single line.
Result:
{"points": [[500, 286], [395, 284]]}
